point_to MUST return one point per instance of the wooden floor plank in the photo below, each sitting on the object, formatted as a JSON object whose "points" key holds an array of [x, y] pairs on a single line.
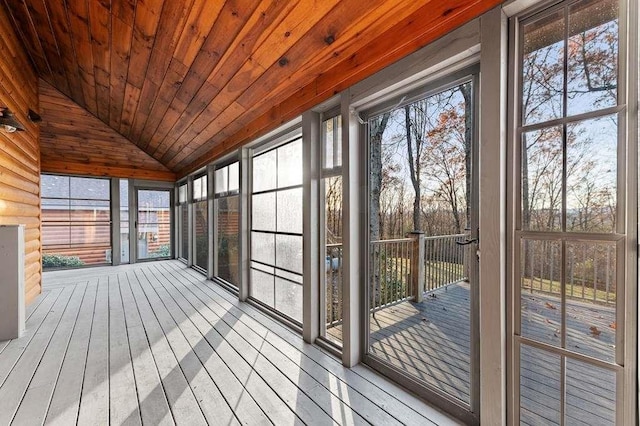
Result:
{"points": [[254, 384], [123, 397], [183, 404], [156, 343], [247, 411], [33, 307], [94, 402], [342, 401], [35, 403], [14, 387], [154, 407], [314, 396], [388, 396], [14, 348], [201, 383], [65, 402]]}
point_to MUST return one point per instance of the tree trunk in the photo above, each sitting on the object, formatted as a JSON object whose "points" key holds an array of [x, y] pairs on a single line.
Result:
{"points": [[414, 170], [466, 89], [377, 127]]}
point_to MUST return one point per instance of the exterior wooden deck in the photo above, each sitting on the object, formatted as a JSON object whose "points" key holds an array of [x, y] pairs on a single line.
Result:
{"points": [[155, 343], [430, 341]]}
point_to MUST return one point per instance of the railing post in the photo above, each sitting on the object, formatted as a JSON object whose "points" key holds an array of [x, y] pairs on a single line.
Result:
{"points": [[416, 275]]}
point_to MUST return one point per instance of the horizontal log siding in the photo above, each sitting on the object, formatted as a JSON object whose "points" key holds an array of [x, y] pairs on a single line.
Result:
{"points": [[20, 152]]}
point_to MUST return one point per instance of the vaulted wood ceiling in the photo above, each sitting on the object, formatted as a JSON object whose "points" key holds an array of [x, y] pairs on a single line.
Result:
{"points": [[188, 80]]}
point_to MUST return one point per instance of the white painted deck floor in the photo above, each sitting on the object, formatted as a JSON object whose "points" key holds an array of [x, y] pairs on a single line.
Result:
{"points": [[155, 343]]}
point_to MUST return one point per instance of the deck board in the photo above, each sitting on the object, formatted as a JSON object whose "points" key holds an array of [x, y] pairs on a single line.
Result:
{"points": [[430, 341], [352, 382], [156, 343]]}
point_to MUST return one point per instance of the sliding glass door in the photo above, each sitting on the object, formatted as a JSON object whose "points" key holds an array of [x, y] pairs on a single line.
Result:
{"points": [[153, 224], [422, 292]]}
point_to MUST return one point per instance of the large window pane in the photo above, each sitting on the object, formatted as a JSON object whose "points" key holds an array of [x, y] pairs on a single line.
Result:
{"points": [[76, 221], [184, 231], [228, 226], [201, 234], [543, 69], [540, 289], [593, 56], [571, 184], [290, 164], [592, 174], [276, 223], [264, 171], [540, 391], [542, 177]]}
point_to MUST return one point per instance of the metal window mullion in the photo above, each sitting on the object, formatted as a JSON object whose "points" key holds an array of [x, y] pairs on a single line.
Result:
{"points": [[565, 77], [589, 115], [569, 354], [336, 141]]}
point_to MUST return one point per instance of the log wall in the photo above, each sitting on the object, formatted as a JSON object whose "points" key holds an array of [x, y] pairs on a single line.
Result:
{"points": [[20, 152]]}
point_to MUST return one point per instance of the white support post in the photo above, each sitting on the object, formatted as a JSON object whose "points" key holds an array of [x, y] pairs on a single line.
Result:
{"points": [[310, 227], [12, 303], [492, 217], [352, 194], [244, 249]]}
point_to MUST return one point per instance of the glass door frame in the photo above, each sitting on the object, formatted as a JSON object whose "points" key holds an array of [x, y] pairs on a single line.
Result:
{"points": [[171, 190], [468, 413]]}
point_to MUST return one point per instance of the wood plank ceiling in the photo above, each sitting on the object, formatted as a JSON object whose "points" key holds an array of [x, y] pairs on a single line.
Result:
{"points": [[188, 80]]}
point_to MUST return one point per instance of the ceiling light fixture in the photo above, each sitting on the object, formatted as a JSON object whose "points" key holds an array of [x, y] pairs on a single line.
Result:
{"points": [[8, 121]]}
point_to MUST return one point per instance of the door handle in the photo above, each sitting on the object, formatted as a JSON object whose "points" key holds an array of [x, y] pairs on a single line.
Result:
{"points": [[467, 242]]}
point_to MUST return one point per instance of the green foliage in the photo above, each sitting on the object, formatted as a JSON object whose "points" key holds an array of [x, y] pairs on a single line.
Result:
{"points": [[60, 261], [162, 251]]}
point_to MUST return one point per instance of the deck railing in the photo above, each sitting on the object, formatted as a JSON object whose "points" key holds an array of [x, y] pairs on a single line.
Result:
{"points": [[590, 270], [333, 281], [390, 270], [394, 270], [444, 261]]}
